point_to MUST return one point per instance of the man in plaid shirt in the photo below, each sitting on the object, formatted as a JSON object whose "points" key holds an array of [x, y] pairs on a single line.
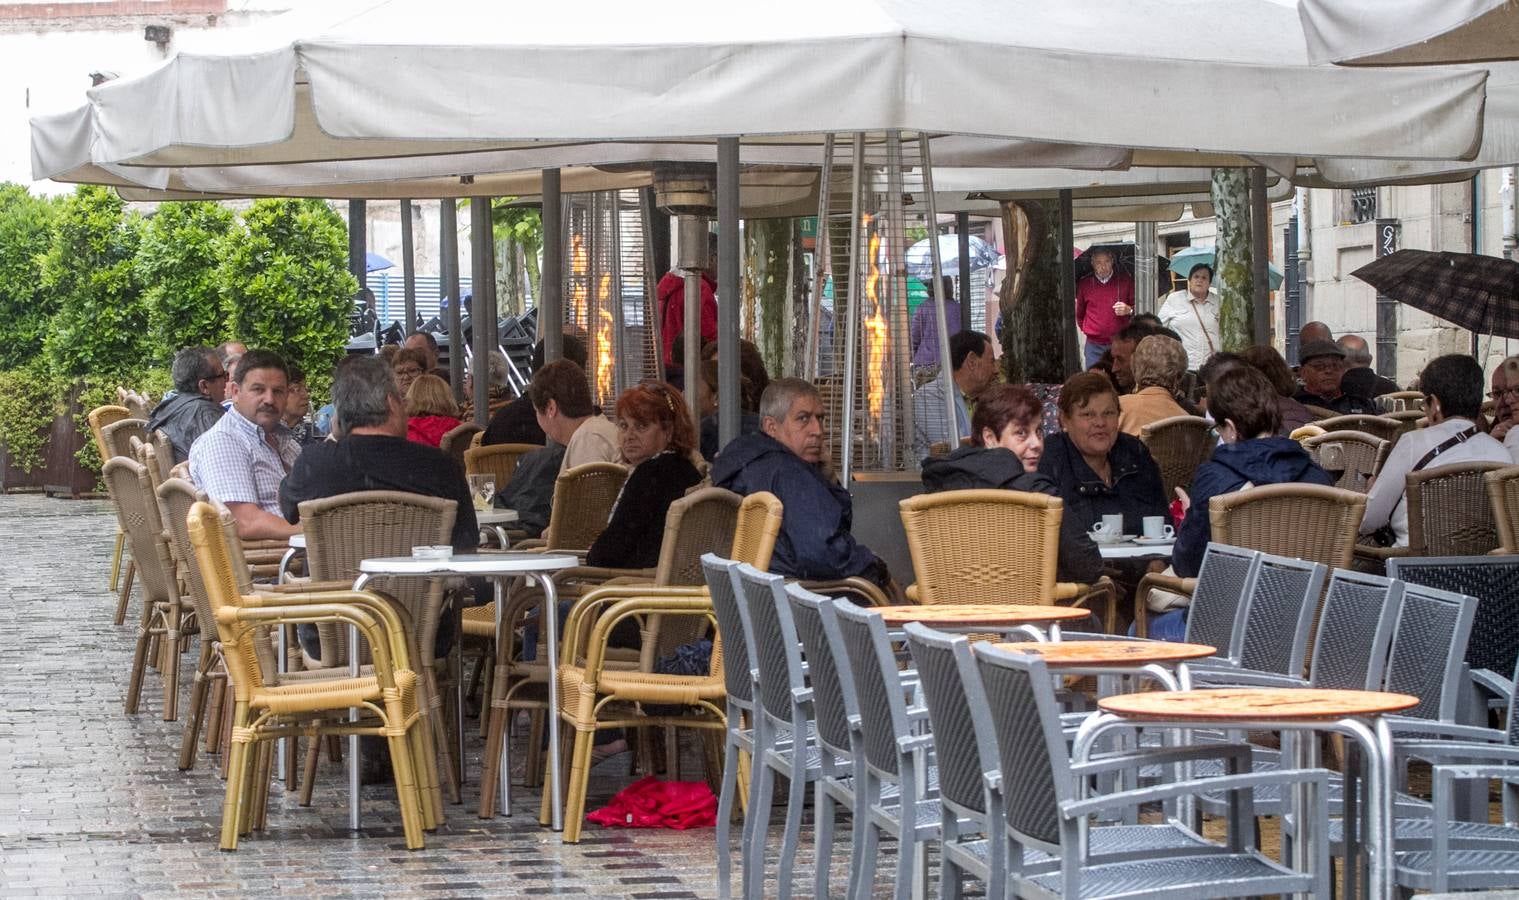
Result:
{"points": [[242, 459]]}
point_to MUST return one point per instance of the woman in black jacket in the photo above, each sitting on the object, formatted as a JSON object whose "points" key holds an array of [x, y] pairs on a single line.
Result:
{"points": [[1006, 446], [657, 441]]}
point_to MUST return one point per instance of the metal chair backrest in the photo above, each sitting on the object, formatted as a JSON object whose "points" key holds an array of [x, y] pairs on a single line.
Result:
{"points": [[1503, 494], [877, 687], [777, 653], [1355, 630], [456, 441], [828, 669], [138, 512], [966, 754], [99, 418], [969, 545], [583, 499], [1356, 455], [346, 529], [498, 460], [1279, 614], [1449, 513], [1494, 581], [1219, 602], [117, 436], [1179, 445], [1379, 426], [1031, 751], [737, 667], [1429, 648], [756, 529], [1306, 521]]}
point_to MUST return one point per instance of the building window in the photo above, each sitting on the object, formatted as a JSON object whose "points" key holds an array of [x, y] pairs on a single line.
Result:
{"points": [[1360, 205]]}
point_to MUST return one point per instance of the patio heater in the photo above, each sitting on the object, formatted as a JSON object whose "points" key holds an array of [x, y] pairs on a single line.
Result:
{"points": [[608, 290], [876, 200]]}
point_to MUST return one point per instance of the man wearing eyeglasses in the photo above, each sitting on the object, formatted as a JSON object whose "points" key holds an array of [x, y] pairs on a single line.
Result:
{"points": [[1504, 393], [195, 404]]}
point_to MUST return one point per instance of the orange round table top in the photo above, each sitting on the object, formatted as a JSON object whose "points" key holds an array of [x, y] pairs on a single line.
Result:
{"points": [[976, 614], [1110, 653], [1257, 704]]}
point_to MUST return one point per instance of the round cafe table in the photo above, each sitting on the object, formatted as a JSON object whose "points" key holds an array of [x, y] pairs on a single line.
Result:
{"points": [[982, 617], [1164, 661], [1356, 714], [497, 566]]}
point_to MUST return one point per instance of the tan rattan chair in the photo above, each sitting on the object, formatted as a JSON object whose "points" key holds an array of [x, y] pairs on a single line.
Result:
{"points": [[163, 606], [1503, 492], [456, 441], [265, 710], [165, 450], [117, 436], [343, 531], [1378, 426], [707, 520], [1407, 419], [1400, 401], [138, 403], [115, 439], [1320, 412], [1449, 514], [583, 498], [1306, 521], [478, 440], [498, 460], [993, 546], [1179, 445], [1304, 432], [175, 498], [1356, 455], [99, 418]]}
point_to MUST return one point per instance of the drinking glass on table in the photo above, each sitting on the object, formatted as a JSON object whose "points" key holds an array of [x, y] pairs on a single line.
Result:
{"points": [[482, 488]]}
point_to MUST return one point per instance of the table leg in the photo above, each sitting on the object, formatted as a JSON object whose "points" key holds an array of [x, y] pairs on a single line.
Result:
{"points": [[1375, 741], [551, 615], [353, 719]]}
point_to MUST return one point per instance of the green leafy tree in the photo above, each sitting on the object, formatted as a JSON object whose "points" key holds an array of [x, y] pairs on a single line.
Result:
{"points": [[26, 232], [101, 324], [177, 265], [286, 283]]}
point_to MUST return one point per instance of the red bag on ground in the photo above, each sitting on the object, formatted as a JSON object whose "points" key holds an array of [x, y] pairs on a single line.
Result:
{"points": [[651, 803]]}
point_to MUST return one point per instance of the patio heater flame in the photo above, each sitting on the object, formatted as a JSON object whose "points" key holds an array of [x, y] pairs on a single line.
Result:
{"points": [[579, 266], [876, 337], [604, 362]]}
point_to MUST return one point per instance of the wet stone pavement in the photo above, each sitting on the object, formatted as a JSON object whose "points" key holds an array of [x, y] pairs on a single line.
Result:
{"points": [[91, 801]]}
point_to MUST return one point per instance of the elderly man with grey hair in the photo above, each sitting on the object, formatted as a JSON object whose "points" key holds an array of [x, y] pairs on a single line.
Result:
{"points": [[195, 404], [1360, 379], [785, 457]]}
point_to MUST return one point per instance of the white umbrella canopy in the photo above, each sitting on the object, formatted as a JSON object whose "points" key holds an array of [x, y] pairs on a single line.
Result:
{"points": [[1410, 32], [402, 77]]}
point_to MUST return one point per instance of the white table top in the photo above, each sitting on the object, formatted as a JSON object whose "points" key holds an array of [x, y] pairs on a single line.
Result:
{"points": [[508, 563], [496, 516], [298, 541], [1131, 550]]}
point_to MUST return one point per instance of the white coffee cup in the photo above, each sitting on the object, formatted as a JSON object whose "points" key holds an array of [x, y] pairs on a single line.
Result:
{"points": [[1156, 527], [1110, 526]]}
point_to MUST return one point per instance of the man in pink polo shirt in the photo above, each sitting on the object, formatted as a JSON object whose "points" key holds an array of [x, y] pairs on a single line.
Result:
{"points": [[1104, 304]]}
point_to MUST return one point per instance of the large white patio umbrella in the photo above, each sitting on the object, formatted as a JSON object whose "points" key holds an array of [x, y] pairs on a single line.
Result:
{"points": [[404, 77], [1410, 32]]}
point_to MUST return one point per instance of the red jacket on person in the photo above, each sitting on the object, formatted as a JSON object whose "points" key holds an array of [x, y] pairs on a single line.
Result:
{"points": [[429, 430], [672, 306], [1094, 306]]}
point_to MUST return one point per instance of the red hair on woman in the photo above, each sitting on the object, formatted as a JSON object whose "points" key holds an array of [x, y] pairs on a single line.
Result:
{"points": [[653, 418]]}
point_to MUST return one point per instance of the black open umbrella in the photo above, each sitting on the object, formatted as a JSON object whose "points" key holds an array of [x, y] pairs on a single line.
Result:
{"points": [[1123, 261], [1478, 293]]}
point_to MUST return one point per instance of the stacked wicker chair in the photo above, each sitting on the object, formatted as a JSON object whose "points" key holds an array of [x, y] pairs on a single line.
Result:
{"points": [[982, 546], [1179, 445], [1449, 514], [1359, 456], [498, 460], [265, 710], [99, 418], [1383, 427]]}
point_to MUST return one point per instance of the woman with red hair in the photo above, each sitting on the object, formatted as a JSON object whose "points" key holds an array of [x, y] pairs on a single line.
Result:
{"points": [[658, 441]]}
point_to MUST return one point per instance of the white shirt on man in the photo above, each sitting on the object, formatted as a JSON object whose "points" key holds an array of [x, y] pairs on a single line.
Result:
{"points": [[596, 440], [1195, 321], [1386, 503]]}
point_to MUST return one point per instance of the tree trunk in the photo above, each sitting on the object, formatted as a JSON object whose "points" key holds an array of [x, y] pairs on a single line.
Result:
{"points": [[1232, 271], [1030, 295], [771, 268]]}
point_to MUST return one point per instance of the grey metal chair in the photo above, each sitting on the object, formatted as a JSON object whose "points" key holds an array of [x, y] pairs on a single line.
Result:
{"points": [[839, 739], [1219, 606], [738, 679], [1046, 813], [783, 730], [896, 746], [1275, 622], [1494, 581]]}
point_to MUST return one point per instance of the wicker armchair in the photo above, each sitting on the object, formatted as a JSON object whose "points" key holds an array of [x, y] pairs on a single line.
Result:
{"points": [[1304, 521], [1401, 401], [99, 418], [982, 546], [1503, 493], [583, 498], [175, 498], [1383, 427], [456, 441], [499, 460], [165, 450], [1179, 444], [264, 710], [708, 520], [1356, 455], [1304, 432], [1320, 412], [1449, 514], [163, 606], [117, 436]]}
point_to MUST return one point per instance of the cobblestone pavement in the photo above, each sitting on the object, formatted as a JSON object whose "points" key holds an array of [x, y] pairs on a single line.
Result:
{"points": [[91, 801]]}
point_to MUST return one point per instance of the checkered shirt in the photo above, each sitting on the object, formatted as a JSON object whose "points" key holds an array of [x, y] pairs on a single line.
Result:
{"points": [[233, 463]]}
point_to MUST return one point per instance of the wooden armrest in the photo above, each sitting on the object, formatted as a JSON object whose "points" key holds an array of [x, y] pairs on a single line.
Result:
{"points": [[1369, 551], [1089, 595], [305, 586], [912, 594], [600, 574], [853, 585], [1151, 582]]}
